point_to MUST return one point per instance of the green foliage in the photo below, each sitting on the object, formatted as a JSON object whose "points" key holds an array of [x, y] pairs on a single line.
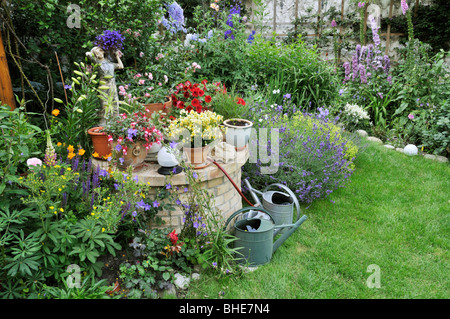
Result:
{"points": [[226, 105], [81, 110], [18, 143], [292, 68], [88, 290], [156, 259]]}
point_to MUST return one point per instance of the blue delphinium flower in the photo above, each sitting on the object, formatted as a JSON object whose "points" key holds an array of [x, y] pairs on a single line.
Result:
{"points": [[175, 22]]}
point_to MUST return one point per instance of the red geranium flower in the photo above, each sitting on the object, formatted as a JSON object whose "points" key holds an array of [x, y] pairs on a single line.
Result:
{"points": [[195, 92], [195, 103], [207, 98], [198, 109], [186, 95], [180, 104]]}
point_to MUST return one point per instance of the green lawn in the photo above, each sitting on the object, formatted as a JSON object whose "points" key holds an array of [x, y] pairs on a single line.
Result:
{"points": [[394, 213]]}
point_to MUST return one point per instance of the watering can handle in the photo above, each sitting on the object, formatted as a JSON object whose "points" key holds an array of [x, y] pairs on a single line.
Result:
{"points": [[297, 204], [252, 192], [242, 210]]}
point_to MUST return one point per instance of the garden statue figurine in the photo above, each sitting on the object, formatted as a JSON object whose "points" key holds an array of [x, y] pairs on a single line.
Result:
{"points": [[110, 102]]}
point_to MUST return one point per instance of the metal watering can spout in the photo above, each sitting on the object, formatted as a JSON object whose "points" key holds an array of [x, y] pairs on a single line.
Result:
{"points": [[288, 233]]}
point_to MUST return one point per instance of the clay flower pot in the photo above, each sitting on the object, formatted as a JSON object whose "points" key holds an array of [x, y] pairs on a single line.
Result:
{"points": [[100, 141], [136, 154], [156, 107], [197, 156]]}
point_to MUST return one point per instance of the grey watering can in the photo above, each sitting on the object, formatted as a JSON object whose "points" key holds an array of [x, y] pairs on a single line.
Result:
{"points": [[279, 204], [255, 236]]}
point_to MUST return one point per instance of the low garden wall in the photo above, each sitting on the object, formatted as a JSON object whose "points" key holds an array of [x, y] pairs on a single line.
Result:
{"points": [[226, 198]]}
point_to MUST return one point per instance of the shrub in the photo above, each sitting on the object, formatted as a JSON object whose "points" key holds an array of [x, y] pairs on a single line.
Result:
{"points": [[294, 69], [314, 152]]}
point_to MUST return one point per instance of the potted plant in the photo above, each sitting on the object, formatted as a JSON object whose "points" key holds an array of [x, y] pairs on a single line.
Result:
{"points": [[143, 88], [195, 131], [132, 136], [236, 129]]}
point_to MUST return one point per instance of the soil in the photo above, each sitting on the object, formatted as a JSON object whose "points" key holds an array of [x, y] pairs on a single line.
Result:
{"points": [[238, 123]]}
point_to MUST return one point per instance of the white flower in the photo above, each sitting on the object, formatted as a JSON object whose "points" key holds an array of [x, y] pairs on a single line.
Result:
{"points": [[276, 91], [34, 161], [356, 112]]}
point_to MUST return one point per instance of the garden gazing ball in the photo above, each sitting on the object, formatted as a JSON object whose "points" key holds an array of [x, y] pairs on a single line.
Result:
{"points": [[410, 150], [166, 159]]}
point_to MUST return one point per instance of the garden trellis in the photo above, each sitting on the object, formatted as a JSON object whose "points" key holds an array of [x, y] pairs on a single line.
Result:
{"points": [[280, 14]]}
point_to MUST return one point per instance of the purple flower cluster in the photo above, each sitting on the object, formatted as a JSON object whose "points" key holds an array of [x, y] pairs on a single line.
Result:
{"points": [[365, 60], [175, 22], [251, 37], [110, 41], [374, 27], [234, 10]]}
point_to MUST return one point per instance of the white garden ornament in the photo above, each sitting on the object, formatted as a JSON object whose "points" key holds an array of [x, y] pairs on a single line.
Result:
{"points": [[410, 150]]}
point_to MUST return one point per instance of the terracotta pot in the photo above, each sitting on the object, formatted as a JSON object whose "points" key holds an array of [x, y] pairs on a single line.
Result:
{"points": [[156, 107], [197, 156], [136, 154], [100, 141]]}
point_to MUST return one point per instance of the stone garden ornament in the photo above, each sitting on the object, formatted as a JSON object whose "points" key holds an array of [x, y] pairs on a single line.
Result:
{"points": [[107, 67]]}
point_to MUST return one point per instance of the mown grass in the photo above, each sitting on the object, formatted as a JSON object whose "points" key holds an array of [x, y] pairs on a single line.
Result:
{"points": [[394, 213]]}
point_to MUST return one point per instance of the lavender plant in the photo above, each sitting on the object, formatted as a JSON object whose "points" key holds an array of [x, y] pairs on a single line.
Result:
{"points": [[316, 158]]}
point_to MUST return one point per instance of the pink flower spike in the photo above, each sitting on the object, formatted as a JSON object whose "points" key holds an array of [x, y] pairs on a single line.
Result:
{"points": [[404, 6]]}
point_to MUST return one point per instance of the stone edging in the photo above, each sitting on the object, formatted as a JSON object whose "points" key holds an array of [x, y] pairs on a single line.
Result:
{"points": [[410, 149]]}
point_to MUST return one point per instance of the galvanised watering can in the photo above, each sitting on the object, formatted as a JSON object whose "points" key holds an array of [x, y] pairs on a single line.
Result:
{"points": [[279, 204], [255, 236]]}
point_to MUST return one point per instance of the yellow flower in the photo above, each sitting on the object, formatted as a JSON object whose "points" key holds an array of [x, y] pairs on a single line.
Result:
{"points": [[59, 189], [58, 144], [95, 154], [51, 207], [61, 209], [103, 229], [69, 169], [81, 152], [55, 112], [70, 155], [92, 213], [70, 148]]}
